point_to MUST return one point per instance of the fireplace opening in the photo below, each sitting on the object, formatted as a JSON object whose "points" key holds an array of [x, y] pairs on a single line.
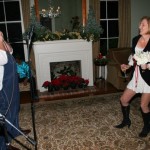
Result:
{"points": [[65, 67]]}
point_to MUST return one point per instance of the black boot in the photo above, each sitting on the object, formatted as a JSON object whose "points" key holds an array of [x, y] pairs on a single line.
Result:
{"points": [[146, 128], [126, 120]]}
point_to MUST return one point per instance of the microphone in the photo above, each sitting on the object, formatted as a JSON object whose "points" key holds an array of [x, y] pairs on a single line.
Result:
{"points": [[19, 42], [31, 33]]}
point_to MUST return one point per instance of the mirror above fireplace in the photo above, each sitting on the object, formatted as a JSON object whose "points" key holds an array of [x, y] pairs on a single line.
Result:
{"points": [[69, 9]]}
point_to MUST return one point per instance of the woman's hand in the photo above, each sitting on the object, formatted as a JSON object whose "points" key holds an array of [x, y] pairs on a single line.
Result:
{"points": [[148, 66], [144, 66], [124, 67]]}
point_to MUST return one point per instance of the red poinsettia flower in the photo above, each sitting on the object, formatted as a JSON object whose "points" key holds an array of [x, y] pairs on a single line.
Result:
{"points": [[100, 60], [46, 84], [56, 82], [100, 56], [86, 82], [66, 81]]}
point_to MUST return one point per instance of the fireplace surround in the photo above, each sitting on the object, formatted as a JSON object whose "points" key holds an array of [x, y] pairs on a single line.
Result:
{"points": [[60, 51]]}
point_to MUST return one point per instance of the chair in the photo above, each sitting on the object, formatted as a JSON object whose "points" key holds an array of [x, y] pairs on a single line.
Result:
{"points": [[117, 56]]}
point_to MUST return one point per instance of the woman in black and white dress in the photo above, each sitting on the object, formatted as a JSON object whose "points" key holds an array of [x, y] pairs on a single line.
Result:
{"points": [[140, 80]]}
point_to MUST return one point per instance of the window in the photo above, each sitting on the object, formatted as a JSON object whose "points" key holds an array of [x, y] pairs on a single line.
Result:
{"points": [[109, 22], [11, 24]]}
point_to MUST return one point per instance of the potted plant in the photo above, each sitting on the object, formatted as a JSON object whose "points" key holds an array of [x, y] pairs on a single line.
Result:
{"points": [[101, 60], [64, 82], [92, 30]]}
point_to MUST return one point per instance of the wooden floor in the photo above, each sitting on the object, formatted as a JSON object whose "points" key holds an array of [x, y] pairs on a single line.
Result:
{"points": [[101, 87]]}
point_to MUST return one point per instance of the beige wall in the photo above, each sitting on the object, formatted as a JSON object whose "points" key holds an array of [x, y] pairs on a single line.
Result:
{"points": [[139, 8]]}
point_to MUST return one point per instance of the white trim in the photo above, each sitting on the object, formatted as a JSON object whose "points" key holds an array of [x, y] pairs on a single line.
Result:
{"points": [[108, 19]]}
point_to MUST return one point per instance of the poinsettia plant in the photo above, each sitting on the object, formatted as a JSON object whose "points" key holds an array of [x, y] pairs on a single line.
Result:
{"points": [[46, 84], [65, 82], [101, 60]]}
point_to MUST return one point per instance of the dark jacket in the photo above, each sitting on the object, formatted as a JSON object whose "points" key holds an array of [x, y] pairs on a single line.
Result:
{"points": [[146, 73]]}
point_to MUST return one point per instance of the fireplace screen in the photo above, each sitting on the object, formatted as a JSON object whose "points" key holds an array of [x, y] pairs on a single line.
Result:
{"points": [[65, 67]]}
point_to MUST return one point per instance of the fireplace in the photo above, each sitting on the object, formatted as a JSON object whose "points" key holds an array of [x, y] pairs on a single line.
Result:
{"points": [[65, 67], [61, 51]]}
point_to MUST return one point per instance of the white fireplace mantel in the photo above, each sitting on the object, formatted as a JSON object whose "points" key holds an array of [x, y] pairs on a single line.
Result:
{"points": [[62, 50]]}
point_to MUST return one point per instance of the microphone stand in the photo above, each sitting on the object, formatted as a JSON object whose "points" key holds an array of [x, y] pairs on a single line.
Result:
{"points": [[32, 87], [3, 120], [29, 46]]}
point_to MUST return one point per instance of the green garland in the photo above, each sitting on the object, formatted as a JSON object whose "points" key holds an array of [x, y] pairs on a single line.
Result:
{"points": [[91, 31]]}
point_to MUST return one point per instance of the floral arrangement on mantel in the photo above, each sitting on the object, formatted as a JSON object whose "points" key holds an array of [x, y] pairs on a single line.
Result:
{"points": [[101, 60], [90, 32], [65, 82]]}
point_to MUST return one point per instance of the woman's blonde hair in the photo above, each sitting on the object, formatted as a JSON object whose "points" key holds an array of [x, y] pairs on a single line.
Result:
{"points": [[148, 21]]}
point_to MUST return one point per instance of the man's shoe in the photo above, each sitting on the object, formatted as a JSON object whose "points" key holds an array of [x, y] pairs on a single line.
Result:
{"points": [[26, 132], [10, 147]]}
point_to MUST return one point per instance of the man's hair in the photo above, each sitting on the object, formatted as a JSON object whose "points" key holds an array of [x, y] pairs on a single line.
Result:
{"points": [[17, 56]]}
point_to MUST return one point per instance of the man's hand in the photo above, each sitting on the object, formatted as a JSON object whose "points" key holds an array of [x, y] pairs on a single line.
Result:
{"points": [[25, 82], [1, 38]]}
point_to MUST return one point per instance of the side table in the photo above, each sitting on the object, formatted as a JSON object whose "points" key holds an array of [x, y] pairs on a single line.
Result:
{"points": [[100, 72]]}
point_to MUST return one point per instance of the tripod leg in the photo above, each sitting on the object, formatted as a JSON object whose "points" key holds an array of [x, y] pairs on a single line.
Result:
{"points": [[6, 136], [4, 131]]}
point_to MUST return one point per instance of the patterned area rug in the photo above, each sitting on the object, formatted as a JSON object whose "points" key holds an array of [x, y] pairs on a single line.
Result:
{"points": [[83, 124]]}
